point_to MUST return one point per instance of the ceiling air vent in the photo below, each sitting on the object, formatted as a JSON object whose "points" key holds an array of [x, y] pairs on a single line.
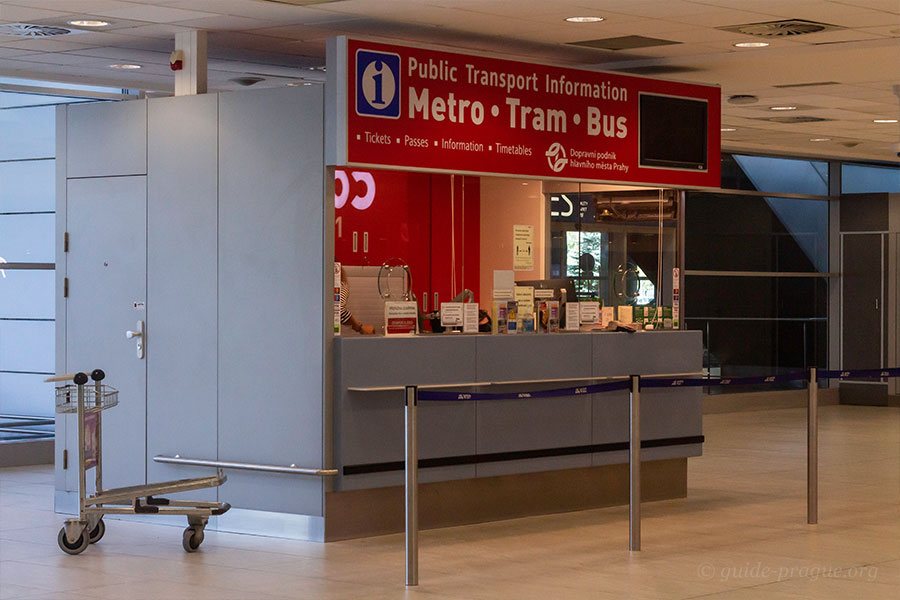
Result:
{"points": [[743, 99], [796, 119], [25, 30], [627, 42], [810, 84], [658, 69], [787, 28], [298, 2]]}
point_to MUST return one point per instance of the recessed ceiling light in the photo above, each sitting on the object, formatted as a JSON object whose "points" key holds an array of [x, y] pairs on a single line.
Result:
{"points": [[246, 81], [88, 23], [729, 129], [743, 99], [884, 120], [125, 66], [751, 45], [782, 108], [298, 83], [820, 139], [320, 68], [584, 19]]}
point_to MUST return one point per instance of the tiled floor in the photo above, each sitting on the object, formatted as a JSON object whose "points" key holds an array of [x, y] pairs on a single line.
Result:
{"points": [[741, 534]]}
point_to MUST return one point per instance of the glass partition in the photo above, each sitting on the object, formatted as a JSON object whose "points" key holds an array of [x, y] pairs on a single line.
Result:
{"points": [[618, 244]]}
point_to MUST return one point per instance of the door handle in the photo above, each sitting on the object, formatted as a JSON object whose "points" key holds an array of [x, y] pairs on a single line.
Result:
{"points": [[138, 336]]}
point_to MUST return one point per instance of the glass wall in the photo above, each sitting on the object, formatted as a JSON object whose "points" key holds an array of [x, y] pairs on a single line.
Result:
{"points": [[28, 253], [27, 225], [756, 267]]}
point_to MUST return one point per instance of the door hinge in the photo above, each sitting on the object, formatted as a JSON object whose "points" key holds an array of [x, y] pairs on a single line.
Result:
{"points": [[65, 287], [65, 459], [66, 242]]}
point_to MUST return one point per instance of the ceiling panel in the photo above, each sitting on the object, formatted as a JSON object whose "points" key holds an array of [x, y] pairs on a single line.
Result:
{"points": [[282, 41], [152, 14]]}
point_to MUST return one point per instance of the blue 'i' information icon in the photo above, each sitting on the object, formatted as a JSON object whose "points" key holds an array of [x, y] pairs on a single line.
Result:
{"points": [[377, 84]]}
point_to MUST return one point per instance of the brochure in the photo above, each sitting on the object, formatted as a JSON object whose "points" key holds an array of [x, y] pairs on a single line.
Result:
{"points": [[573, 316], [470, 317]]}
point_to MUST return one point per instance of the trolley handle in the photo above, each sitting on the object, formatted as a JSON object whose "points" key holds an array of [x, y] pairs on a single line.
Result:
{"points": [[79, 378]]}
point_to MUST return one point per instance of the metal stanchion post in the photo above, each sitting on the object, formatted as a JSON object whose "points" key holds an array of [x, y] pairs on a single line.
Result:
{"points": [[634, 465], [412, 487], [812, 450]]}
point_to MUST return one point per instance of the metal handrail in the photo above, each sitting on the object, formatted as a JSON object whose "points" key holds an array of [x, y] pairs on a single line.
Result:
{"points": [[223, 464], [430, 386]]}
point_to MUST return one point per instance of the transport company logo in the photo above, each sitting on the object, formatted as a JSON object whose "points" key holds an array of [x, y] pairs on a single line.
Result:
{"points": [[378, 84], [359, 201], [556, 157]]}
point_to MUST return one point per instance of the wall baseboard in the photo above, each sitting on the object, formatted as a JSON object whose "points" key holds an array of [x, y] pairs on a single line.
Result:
{"points": [[26, 453], [726, 403], [380, 511]]}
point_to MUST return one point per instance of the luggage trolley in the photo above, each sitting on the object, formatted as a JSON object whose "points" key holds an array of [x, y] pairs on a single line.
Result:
{"points": [[87, 402]]}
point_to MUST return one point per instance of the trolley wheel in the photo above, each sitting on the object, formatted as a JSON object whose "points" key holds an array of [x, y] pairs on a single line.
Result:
{"points": [[77, 548], [97, 532], [192, 538]]}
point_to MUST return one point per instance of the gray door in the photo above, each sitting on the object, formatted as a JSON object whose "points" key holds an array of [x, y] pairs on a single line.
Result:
{"points": [[862, 300], [107, 265]]}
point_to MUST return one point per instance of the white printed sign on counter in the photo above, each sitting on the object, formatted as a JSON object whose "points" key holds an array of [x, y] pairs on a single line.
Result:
{"points": [[401, 318], [452, 314]]}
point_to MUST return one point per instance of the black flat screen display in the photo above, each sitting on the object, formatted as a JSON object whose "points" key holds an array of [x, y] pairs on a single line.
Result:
{"points": [[673, 132]]}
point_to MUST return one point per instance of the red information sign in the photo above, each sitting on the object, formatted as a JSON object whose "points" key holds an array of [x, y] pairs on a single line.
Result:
{"points": [[425, 109]]}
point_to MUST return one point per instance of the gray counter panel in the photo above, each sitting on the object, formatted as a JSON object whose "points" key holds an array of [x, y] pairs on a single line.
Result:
{"points": [[647, 352], [378, 361], [533, 356], [369, 425]]}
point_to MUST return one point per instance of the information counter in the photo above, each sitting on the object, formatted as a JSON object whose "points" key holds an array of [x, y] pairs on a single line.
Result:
{"points": [[551, 451]]}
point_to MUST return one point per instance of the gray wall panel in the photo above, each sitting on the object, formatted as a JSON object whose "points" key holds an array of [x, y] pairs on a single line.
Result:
{"points": [[271, 231], [181, 284], [107, 138]]}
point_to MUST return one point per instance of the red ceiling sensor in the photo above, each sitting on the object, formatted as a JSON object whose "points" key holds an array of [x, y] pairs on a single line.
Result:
{"points": [[176, 60]]}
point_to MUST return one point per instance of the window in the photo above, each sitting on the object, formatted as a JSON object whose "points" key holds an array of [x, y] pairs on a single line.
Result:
{"points": [[28, 252], [756, 267], [865, 179]]}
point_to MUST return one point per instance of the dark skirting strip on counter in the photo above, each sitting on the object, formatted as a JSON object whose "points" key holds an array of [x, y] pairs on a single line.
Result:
{"points": [[471, 459]]}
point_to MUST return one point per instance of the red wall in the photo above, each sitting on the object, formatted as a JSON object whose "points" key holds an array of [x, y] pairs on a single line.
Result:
{"points": [[410, 217]]}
